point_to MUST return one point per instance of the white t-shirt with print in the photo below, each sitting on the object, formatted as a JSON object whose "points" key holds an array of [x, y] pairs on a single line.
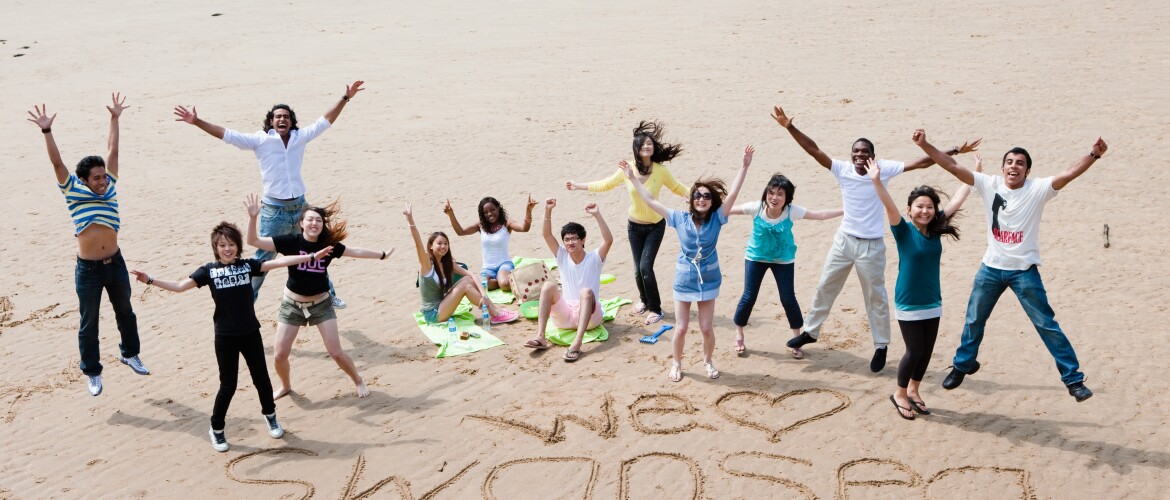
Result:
{"points": [[750, 208], [865, 216], [576, 276], [1013, 220]]}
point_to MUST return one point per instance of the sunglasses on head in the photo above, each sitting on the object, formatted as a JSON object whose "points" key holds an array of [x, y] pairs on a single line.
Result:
{"points": [[697, 195]]}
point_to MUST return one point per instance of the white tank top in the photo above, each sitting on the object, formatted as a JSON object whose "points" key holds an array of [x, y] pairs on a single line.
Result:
{"points": [[495, 246]]}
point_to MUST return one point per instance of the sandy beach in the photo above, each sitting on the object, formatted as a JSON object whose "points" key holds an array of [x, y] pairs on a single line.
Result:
{"points": [[471, 99]]}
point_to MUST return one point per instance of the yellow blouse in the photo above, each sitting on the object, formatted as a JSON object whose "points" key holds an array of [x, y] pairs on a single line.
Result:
{"points": [[639, 210]]}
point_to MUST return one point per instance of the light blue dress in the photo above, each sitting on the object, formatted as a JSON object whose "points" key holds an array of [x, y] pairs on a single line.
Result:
{"points": [[696, 272]]}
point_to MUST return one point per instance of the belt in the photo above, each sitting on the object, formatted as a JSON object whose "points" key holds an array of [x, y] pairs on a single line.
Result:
{"points": [[860, 238], [106, 260], [304, 306]]}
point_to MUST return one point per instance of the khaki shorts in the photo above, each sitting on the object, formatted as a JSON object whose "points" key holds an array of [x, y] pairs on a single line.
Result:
{"points": [[305, 313]]}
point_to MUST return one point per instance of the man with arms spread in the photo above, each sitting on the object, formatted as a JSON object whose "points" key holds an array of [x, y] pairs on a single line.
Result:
{"points": [[859, 241], [92, 197], [281, 151], [1014, 204]]}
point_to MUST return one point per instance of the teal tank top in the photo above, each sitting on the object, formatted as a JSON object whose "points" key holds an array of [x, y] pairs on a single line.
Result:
{"points": [[772, 243]]}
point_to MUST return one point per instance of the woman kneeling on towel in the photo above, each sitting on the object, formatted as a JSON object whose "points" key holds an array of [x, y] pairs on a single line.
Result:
{"points": [[439, 279], [306, 293]]}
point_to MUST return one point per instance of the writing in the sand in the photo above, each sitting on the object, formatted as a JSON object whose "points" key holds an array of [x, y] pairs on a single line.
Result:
{"points": [[646, 416]]}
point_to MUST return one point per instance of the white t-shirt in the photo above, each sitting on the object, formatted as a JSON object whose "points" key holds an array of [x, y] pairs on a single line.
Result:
{"points": [[1013, 220], [750, 208], [575, 276], [865, 216], [280, 165]]}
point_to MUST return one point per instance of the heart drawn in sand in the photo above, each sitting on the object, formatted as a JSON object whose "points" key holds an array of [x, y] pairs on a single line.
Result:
{"points": [[741, 413]]}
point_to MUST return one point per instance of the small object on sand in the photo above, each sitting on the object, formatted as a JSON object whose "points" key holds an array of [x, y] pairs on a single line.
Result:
{"points": [[217, 14], [1106, 235], [607, 278], [463, 335], [650, 339]]}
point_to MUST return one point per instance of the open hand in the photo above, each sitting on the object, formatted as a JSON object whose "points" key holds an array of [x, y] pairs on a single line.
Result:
{"points": [[185, 115], [625, 166], [252, 203], [747, 155], [978, 163], [874, 171], [322, 253], [781, 118], [969, 147], [40, 119], [119, 104], [352, 90]]}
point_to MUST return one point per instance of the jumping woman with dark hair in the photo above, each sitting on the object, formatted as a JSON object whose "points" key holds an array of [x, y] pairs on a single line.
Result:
{"points": [[646, 227], [696, 272], [772, 247], [439, 280], [237, 331], [495, 230], [306, 299], [918, 292]]}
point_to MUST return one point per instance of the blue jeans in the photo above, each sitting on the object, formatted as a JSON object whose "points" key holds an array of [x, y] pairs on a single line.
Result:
{"points": [[753, 276], [278, 218], [990, 283], [91, 277]]}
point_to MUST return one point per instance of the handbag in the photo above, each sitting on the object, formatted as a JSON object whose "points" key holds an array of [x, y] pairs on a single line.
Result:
{"points": [[528, 279]]}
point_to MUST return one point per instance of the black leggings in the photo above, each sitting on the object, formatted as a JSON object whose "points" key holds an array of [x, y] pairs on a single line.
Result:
{"points": [[919, 337], [645, 239], [228, 349]]}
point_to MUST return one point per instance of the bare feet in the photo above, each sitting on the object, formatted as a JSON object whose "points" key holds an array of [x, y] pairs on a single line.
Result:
{"points": [[362, 390], [280, 393]]}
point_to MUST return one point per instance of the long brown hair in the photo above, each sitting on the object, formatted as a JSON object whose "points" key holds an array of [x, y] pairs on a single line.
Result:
{"points": [[718, 191], [445, 265], [334, 229]]}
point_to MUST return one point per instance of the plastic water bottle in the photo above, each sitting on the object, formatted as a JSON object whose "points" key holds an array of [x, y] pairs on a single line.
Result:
{"points": [[487, 320], [450, 328]]}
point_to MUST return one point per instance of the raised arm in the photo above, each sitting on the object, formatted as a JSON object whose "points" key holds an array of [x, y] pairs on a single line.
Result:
{"points": [[606, 235], [963, 192], [875, 175], [365, 253], [424, 258], [927, 161], [523, 228], [350, 91], [729, 203], [642, 191], [191, 116], [945, 161], [459, 229], [252, 203], [546, 230], [802, 140], [823, 214], [174, 286], [45, 123], [115, 113], [1078, 167]]}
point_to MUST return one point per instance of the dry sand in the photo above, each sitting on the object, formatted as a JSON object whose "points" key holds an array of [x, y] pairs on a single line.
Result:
{"points": [[468, 99]]}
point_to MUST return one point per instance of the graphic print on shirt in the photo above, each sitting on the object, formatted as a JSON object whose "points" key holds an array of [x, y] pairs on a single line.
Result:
{"points": [[229, 276], [1010, 237], [312, 266]]}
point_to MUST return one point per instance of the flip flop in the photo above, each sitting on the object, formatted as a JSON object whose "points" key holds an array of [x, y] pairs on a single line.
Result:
{"points": [[712, 373], [675, 374], [536, 344], [797, 353], [901, 409], [740, 349], [919, 407], [653, 318], [640, 308], [572, 355]]}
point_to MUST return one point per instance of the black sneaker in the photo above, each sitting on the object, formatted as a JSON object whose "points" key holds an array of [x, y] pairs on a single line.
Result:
{"points": [[956, 377], [274, 428], [218, 440], [800, 340], [1079, 391], [879, 360]]}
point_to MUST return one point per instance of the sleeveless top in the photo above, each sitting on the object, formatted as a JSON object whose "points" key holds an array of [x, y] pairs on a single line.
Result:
{"points": [[495, 246], [430, 290], [770, 242]]}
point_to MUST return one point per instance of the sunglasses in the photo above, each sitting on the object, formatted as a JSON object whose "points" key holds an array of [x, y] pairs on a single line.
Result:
{"points": [[700, 195]]}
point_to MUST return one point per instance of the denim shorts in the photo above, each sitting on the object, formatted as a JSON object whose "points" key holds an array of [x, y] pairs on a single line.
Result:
{"points": [[431, 315], [294, 313], [494, 271]]}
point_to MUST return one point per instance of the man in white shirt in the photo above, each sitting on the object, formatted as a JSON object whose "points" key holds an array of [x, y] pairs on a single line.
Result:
{"points": [[859, 241], [280, 148], [578, 306], [1014, 205]]}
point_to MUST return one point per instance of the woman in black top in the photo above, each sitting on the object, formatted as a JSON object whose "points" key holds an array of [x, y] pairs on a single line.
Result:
{"points": [[237, 331], [306, 295]]}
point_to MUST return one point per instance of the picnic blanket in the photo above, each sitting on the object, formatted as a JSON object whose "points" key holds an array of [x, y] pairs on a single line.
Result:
{"points": [[450, 345], [564, 338]]}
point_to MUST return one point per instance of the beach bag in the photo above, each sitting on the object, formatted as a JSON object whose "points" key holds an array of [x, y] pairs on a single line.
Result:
{"points": [[527, 281]]}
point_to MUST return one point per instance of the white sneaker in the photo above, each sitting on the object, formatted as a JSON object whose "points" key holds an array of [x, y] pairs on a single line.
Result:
{"points": [[95, 384], [135, 364], [338, 303], [218, 440], [274, 428]]}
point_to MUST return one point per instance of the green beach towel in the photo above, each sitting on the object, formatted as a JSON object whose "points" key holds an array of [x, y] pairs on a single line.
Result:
{"points": [[450, 345], [609, 310], [520, 261], [497, 296]]}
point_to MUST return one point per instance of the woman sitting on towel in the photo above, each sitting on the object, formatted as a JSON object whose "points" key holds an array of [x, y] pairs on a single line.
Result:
{"points": [[439, 281], [495, 229], [306, 299]]}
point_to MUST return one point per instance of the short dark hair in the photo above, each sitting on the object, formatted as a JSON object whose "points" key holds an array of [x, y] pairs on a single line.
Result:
{"points": [[779, 181], [868, 143], [88, 163], [229, 231], [292, 117], [1019, 151], [574, 229]]}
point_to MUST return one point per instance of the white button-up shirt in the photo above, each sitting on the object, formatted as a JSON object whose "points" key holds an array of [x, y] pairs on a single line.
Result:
{"points": [[280, 166]]}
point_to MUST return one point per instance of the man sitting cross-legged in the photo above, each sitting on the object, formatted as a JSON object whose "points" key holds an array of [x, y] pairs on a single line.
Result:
{"points": [[578, 306]]}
